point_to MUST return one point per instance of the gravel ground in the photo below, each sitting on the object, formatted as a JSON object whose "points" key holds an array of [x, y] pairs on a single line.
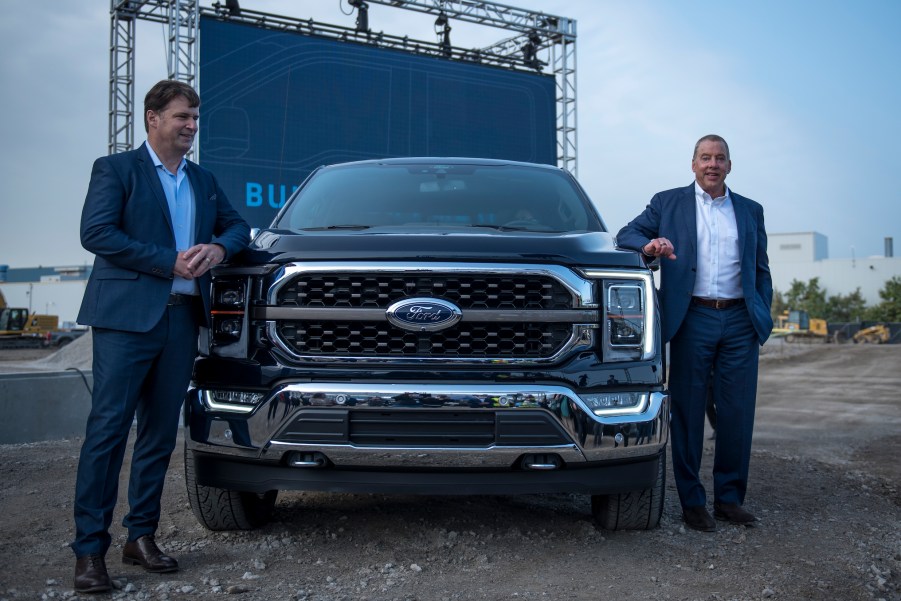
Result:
{"points": [[824, 483]]}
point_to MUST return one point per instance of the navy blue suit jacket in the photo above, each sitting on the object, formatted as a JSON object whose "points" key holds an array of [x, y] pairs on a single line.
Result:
{"points": [[671, 214], [126, 224]]}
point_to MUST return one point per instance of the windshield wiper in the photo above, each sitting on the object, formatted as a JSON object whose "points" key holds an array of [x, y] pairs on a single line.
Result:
{"points": [[336, 227], [500, 228], [514, 228]]}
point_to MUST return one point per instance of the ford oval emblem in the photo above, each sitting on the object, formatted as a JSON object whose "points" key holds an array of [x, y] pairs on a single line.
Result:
{"points": [[423, 314]]}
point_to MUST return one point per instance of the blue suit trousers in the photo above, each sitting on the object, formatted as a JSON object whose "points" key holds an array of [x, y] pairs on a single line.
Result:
{"points": [[142, 375], [723, 340]]}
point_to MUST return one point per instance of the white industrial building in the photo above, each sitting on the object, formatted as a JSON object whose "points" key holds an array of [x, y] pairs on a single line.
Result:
{"points": [[804, 256]]}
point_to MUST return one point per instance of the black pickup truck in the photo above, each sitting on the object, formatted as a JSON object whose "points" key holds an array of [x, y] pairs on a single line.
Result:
{"points": [[434, 326]]}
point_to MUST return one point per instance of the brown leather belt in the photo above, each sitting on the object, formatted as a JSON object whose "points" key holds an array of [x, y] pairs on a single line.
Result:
{"points": [[180, 299], [717, 303]]}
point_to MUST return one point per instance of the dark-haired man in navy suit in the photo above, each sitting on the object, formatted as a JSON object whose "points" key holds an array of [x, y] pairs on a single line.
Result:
{"points": [[156, 224], [715, 296]]}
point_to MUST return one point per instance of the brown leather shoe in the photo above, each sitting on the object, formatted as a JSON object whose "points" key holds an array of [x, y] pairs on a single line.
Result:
{"points": [[144, 552], [91, 575], [698, 518], [733, 513]]}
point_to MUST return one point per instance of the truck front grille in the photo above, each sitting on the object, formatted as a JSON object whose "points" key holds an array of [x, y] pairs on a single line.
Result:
{"points": [[511, 313], [354, 338], [482, 291]]}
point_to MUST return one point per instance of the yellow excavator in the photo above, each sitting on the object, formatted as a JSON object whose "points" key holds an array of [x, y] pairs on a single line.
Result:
{"points": [[20, 328], [878, 334], [798, 325]]}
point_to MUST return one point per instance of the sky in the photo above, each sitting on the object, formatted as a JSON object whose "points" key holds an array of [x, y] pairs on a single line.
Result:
{"points": [[807, 94]]}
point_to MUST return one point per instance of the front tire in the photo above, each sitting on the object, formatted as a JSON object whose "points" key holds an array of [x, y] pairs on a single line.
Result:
{"points": [[637, 510], [221, 509]]}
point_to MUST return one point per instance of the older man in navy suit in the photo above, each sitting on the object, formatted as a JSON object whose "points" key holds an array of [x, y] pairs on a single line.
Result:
{"points": [[156, 224], [715, 296]]}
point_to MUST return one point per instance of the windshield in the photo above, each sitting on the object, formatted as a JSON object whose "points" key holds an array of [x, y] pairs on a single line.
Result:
{"points": [[505, 197]]}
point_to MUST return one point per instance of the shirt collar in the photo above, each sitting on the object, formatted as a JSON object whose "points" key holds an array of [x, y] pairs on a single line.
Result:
{"points": [[156, 160], [703, 196]]}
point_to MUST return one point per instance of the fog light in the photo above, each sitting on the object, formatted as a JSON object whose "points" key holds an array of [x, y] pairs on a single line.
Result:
{"points": [[616, 403], [237, 396], [237, 401]]}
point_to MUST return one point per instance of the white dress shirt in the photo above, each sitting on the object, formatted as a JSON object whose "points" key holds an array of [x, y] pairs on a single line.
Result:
{"points": [[719, 259]]}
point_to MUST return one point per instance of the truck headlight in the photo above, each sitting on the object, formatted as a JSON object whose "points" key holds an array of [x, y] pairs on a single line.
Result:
{"points": [[227, 327], [229, 299], [624, 318], [628, 314], [230, 295]]}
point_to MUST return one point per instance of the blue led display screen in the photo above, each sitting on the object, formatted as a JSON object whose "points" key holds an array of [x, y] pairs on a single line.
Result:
{"points": [[277, 105]]}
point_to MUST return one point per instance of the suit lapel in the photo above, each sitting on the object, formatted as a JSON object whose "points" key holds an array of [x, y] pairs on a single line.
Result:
{"points": [[742, 222], [146, 166], [200, 199], [689, 221]]}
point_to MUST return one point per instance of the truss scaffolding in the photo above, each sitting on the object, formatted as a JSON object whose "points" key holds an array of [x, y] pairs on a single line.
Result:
{"points": [[531, 37]]}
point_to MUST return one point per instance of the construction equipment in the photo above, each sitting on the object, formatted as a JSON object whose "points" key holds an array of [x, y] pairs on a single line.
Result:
{"points": [[19, 328], [798, 325], [878, 334]]}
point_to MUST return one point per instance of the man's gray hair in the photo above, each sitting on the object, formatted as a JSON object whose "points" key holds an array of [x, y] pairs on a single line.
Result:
{"points": [[710, 138]]}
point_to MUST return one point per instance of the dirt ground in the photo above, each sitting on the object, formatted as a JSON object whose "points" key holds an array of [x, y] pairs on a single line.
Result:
{"points": [[825, 478]]}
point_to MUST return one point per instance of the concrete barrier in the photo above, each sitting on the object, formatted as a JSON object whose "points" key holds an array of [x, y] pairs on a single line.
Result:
{"points": [[44, 405]]}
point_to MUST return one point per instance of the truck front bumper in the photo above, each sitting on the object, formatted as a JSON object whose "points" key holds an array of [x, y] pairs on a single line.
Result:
{"points": [[420, 427]]}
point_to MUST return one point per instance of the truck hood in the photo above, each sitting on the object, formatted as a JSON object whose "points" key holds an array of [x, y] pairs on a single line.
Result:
{"points": [[463, 244]]}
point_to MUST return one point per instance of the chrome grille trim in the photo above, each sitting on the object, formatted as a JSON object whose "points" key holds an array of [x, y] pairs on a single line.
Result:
{"points": [[581, 289]]}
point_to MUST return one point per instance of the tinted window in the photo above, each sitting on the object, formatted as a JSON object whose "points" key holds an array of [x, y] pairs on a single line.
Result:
{"points": [[514, 197]]}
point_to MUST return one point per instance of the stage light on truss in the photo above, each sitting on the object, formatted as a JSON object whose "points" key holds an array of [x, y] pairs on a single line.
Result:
{"points": [[530, 52], [362, 14], [443, 29], [231, 7]]}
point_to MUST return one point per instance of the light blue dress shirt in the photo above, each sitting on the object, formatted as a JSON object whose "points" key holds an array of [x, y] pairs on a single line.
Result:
{"points": [[180, 197]]}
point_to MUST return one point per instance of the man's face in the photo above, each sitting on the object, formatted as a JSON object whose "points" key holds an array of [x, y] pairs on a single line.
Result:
{"points": [[711, 165], [171, 131]]}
